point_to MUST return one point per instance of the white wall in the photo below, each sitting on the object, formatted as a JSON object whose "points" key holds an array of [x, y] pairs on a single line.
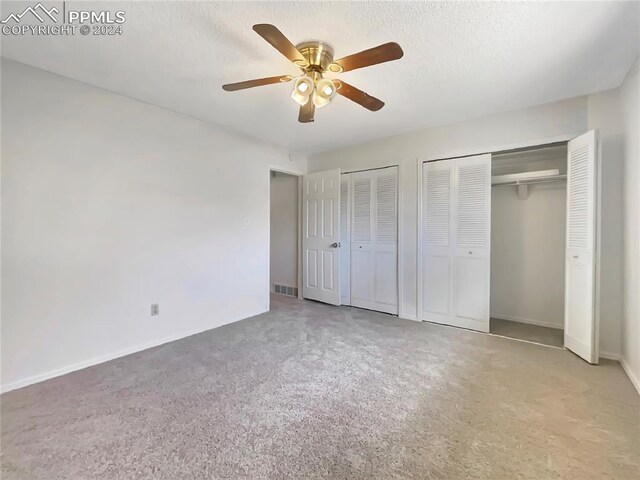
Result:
{"points": [[528, 254], [284, 230], [499, 132], [605, 115], [630, 96], [110, 205]]}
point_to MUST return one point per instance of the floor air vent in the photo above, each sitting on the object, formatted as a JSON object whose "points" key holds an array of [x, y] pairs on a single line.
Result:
{"points": [[291, 291]]}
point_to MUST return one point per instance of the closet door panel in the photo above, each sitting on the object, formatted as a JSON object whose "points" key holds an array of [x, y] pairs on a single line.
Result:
{"points": [[473, 205], [472, 289], [361, 239], [361, 275], [473, 241], [579, 283], [436, 286], [374, 234], [386, 282], [345, 241], [437, 181], [386, 208], [386, 238], [581, 330], [456, 242], [362, 211]]}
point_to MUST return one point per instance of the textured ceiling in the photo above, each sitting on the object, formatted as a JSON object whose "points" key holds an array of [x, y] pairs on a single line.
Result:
{"points": [[462, 60]]}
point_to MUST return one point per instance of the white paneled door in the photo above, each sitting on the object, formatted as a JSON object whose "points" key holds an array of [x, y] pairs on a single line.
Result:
{"points": [[456, 242], [580, 329], [321, 236], [373, 237]]}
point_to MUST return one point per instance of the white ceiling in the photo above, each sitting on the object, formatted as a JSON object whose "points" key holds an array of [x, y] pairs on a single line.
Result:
{"points": [[462, 60]]}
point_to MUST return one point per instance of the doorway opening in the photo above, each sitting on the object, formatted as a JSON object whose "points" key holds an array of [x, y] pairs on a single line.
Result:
{"points": [[283, 251], [528, 244]]}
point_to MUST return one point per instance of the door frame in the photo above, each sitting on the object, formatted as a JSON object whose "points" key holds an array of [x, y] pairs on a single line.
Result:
{"points": [[400, 226], [298, 174], [494, 149]]}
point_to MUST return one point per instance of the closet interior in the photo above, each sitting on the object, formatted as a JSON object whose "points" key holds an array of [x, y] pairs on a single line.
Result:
{"points": [[528, 244]]}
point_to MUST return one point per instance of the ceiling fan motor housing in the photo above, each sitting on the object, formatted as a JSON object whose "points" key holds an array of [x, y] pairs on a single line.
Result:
{"points": [[319, 56]]}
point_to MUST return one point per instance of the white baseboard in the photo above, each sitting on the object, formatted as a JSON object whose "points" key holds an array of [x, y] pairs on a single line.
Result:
{"points": [[25, 382], [538, 323], [609, 355], [630, 373]]}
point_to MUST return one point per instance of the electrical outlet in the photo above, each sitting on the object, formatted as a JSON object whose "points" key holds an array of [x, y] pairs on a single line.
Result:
{"points": [[155, 309]]}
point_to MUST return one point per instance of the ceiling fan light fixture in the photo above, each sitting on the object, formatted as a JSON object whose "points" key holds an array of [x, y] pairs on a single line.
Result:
{"points": [[315, 58], [302, 89], [324, 92]]}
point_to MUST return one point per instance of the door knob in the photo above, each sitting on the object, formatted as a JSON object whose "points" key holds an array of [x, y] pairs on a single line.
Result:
{"points": [[335, 245]]}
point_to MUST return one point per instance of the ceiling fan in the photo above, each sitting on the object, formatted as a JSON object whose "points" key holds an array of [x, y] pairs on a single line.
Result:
{"points": [[311, 90]]}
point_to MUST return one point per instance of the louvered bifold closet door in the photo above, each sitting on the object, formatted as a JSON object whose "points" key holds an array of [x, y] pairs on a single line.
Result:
{"points": [[472, 265], [437, 267], [374, 239], [345, 240], [456, 242], [385, 294], [361, 243], [580, 332]]}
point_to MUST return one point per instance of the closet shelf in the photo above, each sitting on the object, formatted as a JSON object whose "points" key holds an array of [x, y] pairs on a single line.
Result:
{"points": [[527, 178]]}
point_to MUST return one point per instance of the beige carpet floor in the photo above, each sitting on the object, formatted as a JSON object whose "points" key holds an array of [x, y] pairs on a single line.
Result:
{"points": [[553, 337], [309, 391]]}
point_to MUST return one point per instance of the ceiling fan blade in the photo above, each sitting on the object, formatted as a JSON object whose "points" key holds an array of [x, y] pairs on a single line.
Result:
{"points": [[373, 56], [281, 43], [232, 87], [306, 112], [358, 96]]}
